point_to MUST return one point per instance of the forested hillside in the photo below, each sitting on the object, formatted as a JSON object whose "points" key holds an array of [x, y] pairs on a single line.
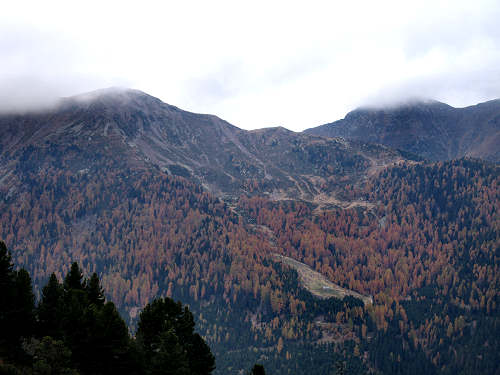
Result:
{"points": [[167, 238], [428, 253], [421, 238]]}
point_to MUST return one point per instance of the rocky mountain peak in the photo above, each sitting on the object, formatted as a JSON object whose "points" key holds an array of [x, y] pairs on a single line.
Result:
{"points": [[141, 131], [428, 128], [118, 97]]}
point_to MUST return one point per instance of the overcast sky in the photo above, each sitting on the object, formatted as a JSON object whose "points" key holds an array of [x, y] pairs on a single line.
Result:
{"points": [[253, 63]]}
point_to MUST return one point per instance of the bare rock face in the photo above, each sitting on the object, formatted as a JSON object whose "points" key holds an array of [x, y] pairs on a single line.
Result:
{"points": [[139, 131], [431, 129]]}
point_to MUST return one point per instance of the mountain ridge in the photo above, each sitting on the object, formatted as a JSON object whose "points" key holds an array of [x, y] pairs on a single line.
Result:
{"points": [[225, 159], [431, 129]]}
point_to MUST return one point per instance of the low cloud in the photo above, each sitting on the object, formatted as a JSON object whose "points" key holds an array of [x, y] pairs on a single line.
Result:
{"points": [[460, 80], [263, 64]]}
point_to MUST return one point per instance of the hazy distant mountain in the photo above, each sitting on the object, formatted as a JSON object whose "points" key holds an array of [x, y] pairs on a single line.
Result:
{"points": [[431, 129], [141, 130]]}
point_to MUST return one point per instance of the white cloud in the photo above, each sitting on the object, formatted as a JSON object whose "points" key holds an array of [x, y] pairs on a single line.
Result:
{"points": [[256, 64]]}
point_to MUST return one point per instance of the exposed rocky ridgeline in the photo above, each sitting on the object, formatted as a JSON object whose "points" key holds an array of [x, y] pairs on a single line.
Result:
{"points": [[430, 129], [139, 131]]}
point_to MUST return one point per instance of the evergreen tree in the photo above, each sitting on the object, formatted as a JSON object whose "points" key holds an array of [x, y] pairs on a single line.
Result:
{"points": [[258, 370], [6, 266], [159, 316], [93, 330], [110, 349], [16, 307], [340, 368], [163, 326], [77, 324], [7, 312], [171, 358], [77, 318], [50, 309], [95, 292], [24, 302], [51, 357], [74, 278], [88, 335], [201, 360]]}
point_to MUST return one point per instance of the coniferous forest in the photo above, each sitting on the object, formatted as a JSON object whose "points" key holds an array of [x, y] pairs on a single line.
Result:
{"points": [[103, 240], [74, 330], [428, 255]]}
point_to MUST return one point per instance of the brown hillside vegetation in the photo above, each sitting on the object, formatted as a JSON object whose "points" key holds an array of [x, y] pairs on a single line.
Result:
{"points": [[422, 239]]}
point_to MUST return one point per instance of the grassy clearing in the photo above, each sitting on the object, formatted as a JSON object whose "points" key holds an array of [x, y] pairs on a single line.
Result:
{"points": [[318, 284]]}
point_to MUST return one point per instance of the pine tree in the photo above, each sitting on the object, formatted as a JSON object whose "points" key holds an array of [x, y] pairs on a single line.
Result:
{"points": [[50, 357], [340, 368], [50, 309], [258, 370], [171, 357], [6, 266], [77, 319], [165, 327], [94, 290], [7, 280], [109, 347], [201, 360], [24, 303], [74, 278], [17, 304]]}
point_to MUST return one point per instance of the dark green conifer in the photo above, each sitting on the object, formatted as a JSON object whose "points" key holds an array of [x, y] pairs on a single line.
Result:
{"points": [[258, 370], [171, 357], [6, 266], [7, 282], [165, 324], [109, 347], [201, 359], [50, 309], [95, 292], [340, 367], [24, 302], [74, 278], [50, 357], [16, 307]]}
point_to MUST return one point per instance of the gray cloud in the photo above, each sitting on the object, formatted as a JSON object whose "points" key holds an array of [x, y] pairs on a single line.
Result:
{"points": [[465, 78], [284, 63], [38, 67], [25, 93]]}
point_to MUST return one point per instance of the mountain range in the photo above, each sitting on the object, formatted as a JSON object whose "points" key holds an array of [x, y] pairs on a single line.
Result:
{"points": [[431, 129], [224, 159], [299, 251]]}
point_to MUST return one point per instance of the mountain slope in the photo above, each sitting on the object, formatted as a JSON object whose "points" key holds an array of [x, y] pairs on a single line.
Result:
{"points": [[141, 131], [81, 183], [431, 129], [123, 184]]}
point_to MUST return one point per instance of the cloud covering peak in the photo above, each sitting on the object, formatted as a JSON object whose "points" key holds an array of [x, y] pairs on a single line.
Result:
{"points": [[255, 64]]}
